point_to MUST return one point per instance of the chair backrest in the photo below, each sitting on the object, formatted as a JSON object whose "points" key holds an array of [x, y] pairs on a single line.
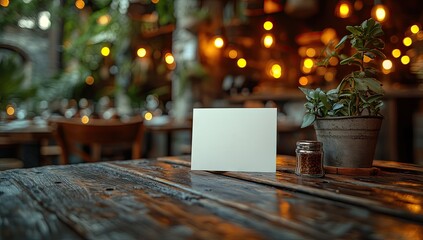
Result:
{"points": [[74, 137]]}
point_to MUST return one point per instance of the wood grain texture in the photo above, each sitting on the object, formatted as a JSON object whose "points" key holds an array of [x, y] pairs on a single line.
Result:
{"points": [[149, 199]]}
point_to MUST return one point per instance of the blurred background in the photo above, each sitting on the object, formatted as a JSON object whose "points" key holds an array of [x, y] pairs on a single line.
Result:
{"points": [[160, 58]]}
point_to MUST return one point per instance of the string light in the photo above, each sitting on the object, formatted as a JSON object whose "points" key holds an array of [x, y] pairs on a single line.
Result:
{"points": [[414, 29], [148, 116], [405, 59], [407, 41], [218, 42], [308, 63], [104, 19], [303, 81], [343, 9], [242, 63], [232, 53], [89, 80], [141, 52], [310, 52], [4, 3], [387, 66], [169, 59], [80, 4], [268, 25], [105, 51], [380, 12], [10, 110], [268, 40], [396, 53], [276, 70], [85, 119]]}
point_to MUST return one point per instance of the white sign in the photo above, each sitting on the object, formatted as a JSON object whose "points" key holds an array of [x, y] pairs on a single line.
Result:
{"points": [[234, 139]]}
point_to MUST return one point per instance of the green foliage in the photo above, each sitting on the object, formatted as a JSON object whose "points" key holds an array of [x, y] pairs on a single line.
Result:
{"points": [[359, 92], [11, 83]]}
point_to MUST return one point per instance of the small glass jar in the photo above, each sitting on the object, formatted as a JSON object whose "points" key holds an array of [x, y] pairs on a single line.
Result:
{"points": [[309, 159]]}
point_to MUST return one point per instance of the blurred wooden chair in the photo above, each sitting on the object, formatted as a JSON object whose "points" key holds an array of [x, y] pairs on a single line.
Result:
{"points": [[89, 141]]}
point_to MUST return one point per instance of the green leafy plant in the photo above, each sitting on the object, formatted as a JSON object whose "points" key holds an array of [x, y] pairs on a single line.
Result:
{"points": [[359, 92]]}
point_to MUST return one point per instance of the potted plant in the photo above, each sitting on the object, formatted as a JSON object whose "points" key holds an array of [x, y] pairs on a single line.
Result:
{"points": [[347, 119]]}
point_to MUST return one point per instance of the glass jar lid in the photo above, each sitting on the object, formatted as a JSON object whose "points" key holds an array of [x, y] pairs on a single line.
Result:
{"points": [[309, 145]]}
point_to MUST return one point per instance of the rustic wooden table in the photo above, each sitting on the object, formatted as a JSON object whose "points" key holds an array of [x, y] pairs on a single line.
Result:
{"points": [[164, 199]]}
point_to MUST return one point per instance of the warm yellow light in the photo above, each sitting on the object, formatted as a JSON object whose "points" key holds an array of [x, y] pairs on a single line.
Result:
{"points": [[306, 70], [10, 110], [89, 80], [344, 10], [169, 59], [311, 52], [414, 29], [85, 119], [80, 4], [329, 76], [218, 42], [233, 53], [4, 3], [268, 40], [308, 63], [405, 59], [105, 51], [302, 51], [268, 25], [333, 61], [141, 52], [407, 41], [303, 81], [420, 36], [276, 71], [380, 12], [148, 116], [366, 59], [242, 63], [396, 53], [155, 1], [328, 35], [387, 64], [358, 5], [104, 20]]}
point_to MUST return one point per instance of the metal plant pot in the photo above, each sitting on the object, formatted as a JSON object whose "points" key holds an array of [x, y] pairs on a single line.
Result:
{"points": [[348, 142]]}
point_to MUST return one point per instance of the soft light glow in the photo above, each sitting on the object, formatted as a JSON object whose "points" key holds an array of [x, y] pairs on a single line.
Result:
{"points": [[366, 59], [44, 20], [306, 70], [414, 29], [26, 23], [333, 61], [104, 20], [311, 52], [10, 110], [85, 119], [303, 81], [358, 5], [141, 52], [329, 76], [328, 35], [308, 63], [396, 53], [105, 51], [302, 51], [242, 63], [407, 41], [387, 64], [218, 42], [4, 3], [89, 80], [232, 53], [380, 12], [268, 25], [80, 4], [155, 1], [148, 116], [405, 59], [344, 10], [169, 59], [268, 40], [276, 71]]}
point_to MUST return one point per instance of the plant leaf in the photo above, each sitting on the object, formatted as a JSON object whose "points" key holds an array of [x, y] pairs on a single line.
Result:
{"points": [[308, 119], [341, 42]]}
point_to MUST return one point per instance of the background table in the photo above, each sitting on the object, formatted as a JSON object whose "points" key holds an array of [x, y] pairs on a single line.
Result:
{"points": [[164, 199]]}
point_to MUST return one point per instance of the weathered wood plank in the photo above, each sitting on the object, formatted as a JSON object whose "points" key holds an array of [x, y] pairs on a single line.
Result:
{"points": [[404, 201], [21, 217], [292, 208], [100, 202]]}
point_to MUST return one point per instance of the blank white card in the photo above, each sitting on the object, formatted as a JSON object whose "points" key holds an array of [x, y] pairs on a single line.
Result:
{"points": [[234, 139]]}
